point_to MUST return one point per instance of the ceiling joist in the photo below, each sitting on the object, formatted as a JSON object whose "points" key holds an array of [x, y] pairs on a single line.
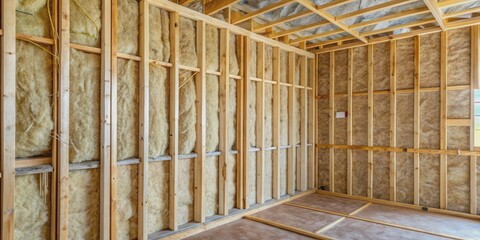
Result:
{"points": [[242, 18], [401, 26], [299, 29], [218, 5], [391, 17], [264, 26], [374, 8], [436, 12], [322, 13]]}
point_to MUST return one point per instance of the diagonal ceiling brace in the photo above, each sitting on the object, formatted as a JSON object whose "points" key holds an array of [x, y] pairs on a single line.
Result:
{"points": [[436, 12], [327, 16]]}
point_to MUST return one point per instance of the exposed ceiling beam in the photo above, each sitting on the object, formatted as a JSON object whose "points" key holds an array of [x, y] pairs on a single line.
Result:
{"points": [[405, 25], [185, 2], [463, 23], [322, 13], [319, 35], [282, 20], [374, 8], [391, 17], [299, 29], [250, 15], [436, 12], [333, 41], [463, 12], [450, 3], [218, 5]]}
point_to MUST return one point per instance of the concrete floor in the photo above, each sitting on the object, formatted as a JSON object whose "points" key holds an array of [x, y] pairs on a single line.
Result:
{"points": [[342, 218]]}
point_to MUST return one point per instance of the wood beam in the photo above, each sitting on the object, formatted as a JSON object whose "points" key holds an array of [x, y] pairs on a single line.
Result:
{"points": [[463, 23], [416, 123], [201, 124], [239, 131], [462, 12], [236, 19], [106, 41], [303, 125], [473, 86], [374, 8], [143, 120], [393, 119], [396, 27], [271, 24], [390, 17], [218, 5], [450, 3], [8, 83], [224, 120], [291, 125], [315, 36], [436, 12], [174, 118], [260, 122], [298, 29], [350, 123], [324, 14]]}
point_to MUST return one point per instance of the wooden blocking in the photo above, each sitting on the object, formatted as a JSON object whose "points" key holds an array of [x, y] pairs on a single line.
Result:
{"points": [[224, 98], [143, 120], [8, 86], [276, 123], [201, 125], [174, 117], [291, 125], [259, 128]]}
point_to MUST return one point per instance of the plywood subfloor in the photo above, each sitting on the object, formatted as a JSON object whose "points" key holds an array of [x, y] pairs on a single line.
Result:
{"points": [[341, 218]]}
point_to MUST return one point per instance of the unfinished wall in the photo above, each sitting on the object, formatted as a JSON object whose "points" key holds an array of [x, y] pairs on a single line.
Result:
{"points": [[429, 106]]}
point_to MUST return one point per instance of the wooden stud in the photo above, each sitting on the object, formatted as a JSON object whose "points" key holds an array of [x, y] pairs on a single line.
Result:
{"points": [[393, 119], [291, 125], [312, 127], [239, 131], [303, 125], [473, 84], [224, 120], [260, 122], [314, 113], [8, 83], [113, 124], [443, 120], [416, 124], [331, 125], [63, 116], [476, 56], [246, 140], [174, 117], [370, 120], [350, 123], [143, 120], [201, 124], [276, 123], [105, 120]]}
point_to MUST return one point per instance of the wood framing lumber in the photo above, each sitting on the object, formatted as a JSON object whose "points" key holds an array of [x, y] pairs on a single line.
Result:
{"points": [[224, 120], [399, 150], [436, 12], [246, 140], [350, 122], [291, 126], [370, 121], [240, 123], [260, 123], [143, 120], [7, 123], [106, 57], [393, 119], [236, 19], [276, 124], [286, 227], [263, 26], [374, 8], [174, 118], [400, 26], [218, 5], [324, 14], [298, 29], [390, 17], [201, 124], [303, 126], [416, 122], [331, 124], [476, 57], [443, 119], [473, 85]]}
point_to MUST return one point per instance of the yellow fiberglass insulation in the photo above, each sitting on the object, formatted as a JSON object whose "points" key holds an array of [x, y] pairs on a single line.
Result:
{"points": [[32, 17], [127, 109], [159, 107], [157, 204], [212, 57], [127, 202], [159, 34], [32, 220], [128, 26], [84, 106], [34, 94], [85, 22]]}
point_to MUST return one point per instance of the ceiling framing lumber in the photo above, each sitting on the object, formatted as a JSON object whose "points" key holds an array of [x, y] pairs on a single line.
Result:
{"points": [[264, 26], [218, 5], [391, 17], [333, 41], [323, 34], [405, 25], [248, 16], [436, 12], [451, 3], [374, 8], [463, 12], [299, 29], [463, 23], [322, 13]]}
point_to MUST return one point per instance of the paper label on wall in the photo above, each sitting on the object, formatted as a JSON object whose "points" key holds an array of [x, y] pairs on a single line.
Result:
{"points": [[341, 115]]}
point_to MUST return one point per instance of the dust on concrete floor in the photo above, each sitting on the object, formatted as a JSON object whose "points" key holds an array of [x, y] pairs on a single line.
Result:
{"points": [[342, 218]]}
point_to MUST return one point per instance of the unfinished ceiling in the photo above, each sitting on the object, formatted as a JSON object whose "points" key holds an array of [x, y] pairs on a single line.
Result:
{"points": [[323, 23]]}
